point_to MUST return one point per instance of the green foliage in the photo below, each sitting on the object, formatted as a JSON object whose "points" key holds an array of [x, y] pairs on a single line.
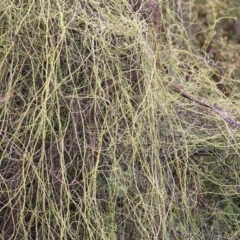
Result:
{"points": [[215, 27]]}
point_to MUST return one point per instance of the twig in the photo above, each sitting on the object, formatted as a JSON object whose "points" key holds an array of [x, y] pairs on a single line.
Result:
{"points": [[217, 110]]}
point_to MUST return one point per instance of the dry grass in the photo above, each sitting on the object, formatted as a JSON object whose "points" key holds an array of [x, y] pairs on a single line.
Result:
{"points": [[95, 144]]}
